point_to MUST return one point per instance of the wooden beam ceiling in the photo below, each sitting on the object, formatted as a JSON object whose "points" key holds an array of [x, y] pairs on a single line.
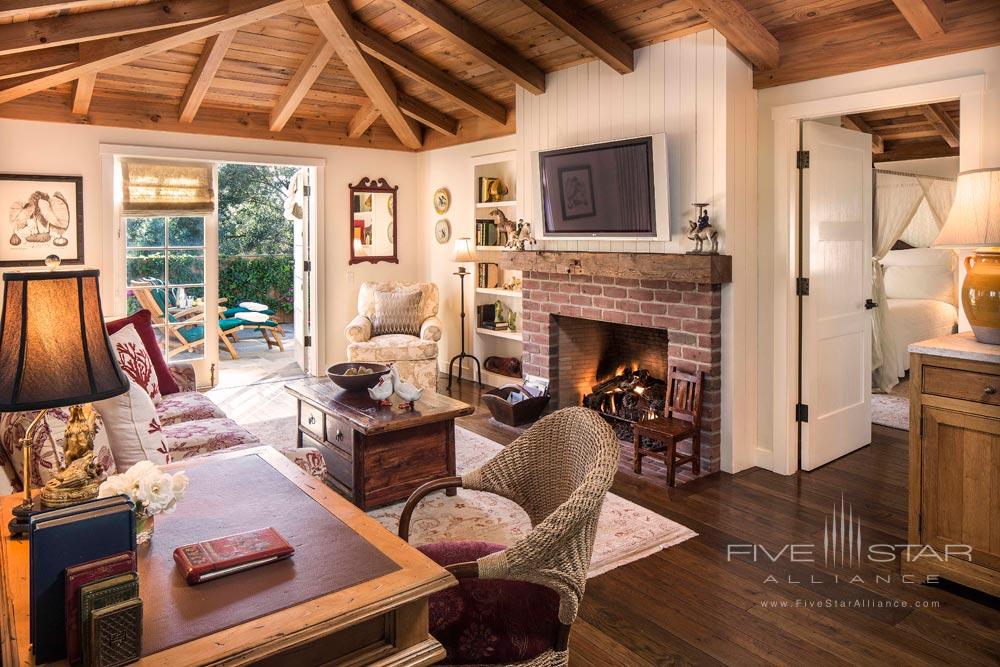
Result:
{"points": [[420, 70], [75, 28], [335, 22], [479, 42], [209, 61], [32, 62], [12, 8], [83, 92], [428, 115], [855, 122], [743, 32], [926, 17], [359, 123], [305, 76], [586, 31], [942, 122]]}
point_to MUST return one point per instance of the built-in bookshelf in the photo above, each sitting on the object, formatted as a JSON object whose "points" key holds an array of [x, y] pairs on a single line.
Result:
{"points": [[491, 339]]}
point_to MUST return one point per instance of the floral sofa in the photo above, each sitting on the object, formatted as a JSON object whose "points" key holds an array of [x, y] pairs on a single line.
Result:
{"points": [[192, 425]]}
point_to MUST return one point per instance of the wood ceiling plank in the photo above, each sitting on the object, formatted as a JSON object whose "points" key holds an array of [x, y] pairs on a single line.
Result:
{"points": [[11, 8], [75, 28], [335, 22], [128, 48], [415, 67], [304, 78], [856, 122], [587, 31], [211, 58], [428, 115], [83, 92], [743, 32], [473, 38], [926, 17], [38, 61], [942, 123], [366, 114], [915, 150]]}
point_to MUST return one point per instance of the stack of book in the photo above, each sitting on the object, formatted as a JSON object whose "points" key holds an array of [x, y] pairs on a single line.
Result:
{"points": [[84, 589], [488, 274], [487, 233], [487, 318]]}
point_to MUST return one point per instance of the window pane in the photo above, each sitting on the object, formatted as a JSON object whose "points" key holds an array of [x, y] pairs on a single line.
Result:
{"points": [[185, 232], [186, 266], [144, 232], [150, 298], [144, 266]]}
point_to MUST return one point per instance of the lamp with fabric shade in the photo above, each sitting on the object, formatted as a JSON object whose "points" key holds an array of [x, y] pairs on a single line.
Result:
{"points": [[54, 352], [974, 222], [463, 251]]}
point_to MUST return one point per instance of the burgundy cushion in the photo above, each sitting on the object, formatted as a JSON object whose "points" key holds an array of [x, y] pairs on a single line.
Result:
{"points": [[143, 323], [489, 621]]}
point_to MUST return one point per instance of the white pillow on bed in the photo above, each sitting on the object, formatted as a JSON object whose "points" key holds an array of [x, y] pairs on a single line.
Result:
{"points": [[921, 257], [920, 282]]}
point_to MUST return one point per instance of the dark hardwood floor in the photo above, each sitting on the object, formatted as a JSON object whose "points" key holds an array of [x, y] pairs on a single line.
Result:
{"points": [[690, 604]]}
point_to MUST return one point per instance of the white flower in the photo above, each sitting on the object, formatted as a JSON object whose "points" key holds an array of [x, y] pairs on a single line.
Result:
{"points": [[151, 489]]}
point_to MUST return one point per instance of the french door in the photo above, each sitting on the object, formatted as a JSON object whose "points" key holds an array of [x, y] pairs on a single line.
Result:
{"points": [[171, 269]]}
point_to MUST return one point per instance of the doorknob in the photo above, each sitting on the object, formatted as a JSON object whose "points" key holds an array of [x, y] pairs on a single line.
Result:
{"points": [[869, 304]]}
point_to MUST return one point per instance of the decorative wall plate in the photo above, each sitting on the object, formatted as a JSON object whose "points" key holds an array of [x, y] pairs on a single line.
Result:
{"points": [[442, 231], [442, 200]]}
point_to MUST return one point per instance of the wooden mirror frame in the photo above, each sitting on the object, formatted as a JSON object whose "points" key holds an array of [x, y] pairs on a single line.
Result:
{"points": [[367, 185]]}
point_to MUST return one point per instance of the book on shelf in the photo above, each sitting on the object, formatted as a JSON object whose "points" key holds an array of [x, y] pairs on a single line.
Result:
{"points": [[79, 576], [98, 596], [488, 274], [495, 326]]}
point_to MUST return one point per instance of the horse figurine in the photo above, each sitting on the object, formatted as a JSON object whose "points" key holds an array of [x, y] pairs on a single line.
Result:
{"points": [[701, 231], [521, 237]]}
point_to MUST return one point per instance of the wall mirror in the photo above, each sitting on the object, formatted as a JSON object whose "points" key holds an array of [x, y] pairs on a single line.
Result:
{"points": [[373, 221]]}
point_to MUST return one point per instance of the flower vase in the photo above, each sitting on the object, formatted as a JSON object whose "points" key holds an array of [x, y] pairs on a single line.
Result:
{"points": [[144, 527]]}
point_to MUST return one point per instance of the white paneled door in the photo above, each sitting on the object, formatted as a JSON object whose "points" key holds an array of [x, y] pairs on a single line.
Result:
{"points": [[836, 325]]}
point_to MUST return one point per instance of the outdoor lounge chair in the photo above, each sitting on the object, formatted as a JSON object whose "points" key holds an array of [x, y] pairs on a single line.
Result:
{"points": [[186, 326]]}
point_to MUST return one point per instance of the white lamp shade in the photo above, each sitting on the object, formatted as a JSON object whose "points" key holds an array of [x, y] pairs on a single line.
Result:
{"points": [[464, 250], [974, 219]]}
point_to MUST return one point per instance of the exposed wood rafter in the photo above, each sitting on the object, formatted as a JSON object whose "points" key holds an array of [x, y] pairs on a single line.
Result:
{"points": [[362, 120], [586, 31], [428, 115], [201, 79], [335, 22], [75, 28], [305, 76], [855, 122], [942, 122], [11, 8], [38, 61], [743, 32], [128, 48], [405, 62], [83, 92], [926, 17], [480, 43]]}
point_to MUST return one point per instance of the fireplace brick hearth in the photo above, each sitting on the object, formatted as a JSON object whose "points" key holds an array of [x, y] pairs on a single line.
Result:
{"points": [[689, 313]]}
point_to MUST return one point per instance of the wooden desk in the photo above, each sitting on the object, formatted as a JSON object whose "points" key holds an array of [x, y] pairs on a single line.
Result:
{"points": [[382, 621], [376, 456]]}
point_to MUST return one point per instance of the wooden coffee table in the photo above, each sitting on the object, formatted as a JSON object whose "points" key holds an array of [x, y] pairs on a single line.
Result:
{"points": [[377, 456]]}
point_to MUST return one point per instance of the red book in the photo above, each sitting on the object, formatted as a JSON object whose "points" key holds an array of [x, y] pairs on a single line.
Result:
{"points": [[204, 561], [78, 576]]}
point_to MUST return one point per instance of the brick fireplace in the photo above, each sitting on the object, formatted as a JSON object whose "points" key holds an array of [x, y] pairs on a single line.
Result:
{"points": [[586, 314]]}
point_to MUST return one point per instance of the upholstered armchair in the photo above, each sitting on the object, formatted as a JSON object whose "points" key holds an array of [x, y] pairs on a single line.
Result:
{"points": [[397, 324]]}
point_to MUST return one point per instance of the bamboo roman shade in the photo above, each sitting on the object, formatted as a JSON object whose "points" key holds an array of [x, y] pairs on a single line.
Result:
{"points": [[166, 187]]}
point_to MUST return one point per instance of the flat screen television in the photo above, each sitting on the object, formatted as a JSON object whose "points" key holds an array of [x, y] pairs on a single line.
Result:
{"points": [[600, 190]]}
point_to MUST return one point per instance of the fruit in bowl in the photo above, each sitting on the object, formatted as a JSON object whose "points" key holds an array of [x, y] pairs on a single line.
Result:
{"points": [[356, 376]]}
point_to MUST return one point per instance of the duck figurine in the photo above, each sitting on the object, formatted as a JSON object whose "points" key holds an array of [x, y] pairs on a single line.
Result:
{"points": [[382, 391], [409, 393]]}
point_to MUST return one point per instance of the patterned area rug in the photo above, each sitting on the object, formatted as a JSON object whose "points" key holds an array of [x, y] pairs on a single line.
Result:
{"points": [[893, 409], [626, 532]]}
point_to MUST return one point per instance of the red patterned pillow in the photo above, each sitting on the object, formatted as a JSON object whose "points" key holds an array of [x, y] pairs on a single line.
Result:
{"points": [[143, 323], [135, 361]]}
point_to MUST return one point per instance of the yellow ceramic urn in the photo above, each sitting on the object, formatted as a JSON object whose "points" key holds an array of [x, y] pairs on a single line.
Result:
{"points": [[981, 294]]}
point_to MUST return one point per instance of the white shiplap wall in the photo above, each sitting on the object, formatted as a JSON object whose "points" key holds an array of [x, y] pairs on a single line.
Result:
{"points": [[700, 94]]}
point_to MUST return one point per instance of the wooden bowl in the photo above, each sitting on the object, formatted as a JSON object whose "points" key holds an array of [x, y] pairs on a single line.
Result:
{"points": [[356, 382]]}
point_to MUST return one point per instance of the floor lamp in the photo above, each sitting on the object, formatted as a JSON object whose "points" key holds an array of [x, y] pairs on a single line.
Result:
{"points": [[464, 252]]}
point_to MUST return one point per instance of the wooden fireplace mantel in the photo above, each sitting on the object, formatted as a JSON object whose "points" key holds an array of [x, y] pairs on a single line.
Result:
{"points": [[710, 269]]}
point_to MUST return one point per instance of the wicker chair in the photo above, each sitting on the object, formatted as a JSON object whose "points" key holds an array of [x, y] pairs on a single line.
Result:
{"points": [[559, 472]]}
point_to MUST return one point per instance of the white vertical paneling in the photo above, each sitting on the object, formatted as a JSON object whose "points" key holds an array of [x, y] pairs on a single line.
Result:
{"points": [[641, 87], [670, 111]]}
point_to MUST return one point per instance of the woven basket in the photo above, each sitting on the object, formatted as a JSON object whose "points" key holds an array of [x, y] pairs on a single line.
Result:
{"points": [[517, 414]]}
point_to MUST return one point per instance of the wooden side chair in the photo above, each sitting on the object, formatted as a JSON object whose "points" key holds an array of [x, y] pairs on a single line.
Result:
{"points": [[681, 421]]}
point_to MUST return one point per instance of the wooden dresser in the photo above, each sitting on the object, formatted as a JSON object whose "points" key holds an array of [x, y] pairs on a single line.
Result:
{"points": [[955, 460]]}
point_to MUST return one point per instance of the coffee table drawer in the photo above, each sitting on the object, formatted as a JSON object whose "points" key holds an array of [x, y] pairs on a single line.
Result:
{"points": [[339, 468], [311, 419], [340, 435]]}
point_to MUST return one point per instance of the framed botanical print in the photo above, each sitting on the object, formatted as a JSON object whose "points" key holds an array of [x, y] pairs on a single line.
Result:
{"points": [[44, 217]]}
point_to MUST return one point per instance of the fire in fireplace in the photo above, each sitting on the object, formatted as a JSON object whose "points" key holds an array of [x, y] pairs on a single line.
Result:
{"points": [[630, 395]]}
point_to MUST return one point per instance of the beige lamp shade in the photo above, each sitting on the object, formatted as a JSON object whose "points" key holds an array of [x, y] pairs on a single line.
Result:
{"points": [[54, 348], [974, 220], [464, 250]]}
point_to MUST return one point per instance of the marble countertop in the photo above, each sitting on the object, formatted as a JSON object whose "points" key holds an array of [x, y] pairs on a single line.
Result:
{"points": [[958, 346]]}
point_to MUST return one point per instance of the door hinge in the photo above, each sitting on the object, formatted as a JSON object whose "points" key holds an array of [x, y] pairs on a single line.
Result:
{"points": [[306, 190], [307, 265], [307, 341], [801, 412], [802, 160], [802, 287]]}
